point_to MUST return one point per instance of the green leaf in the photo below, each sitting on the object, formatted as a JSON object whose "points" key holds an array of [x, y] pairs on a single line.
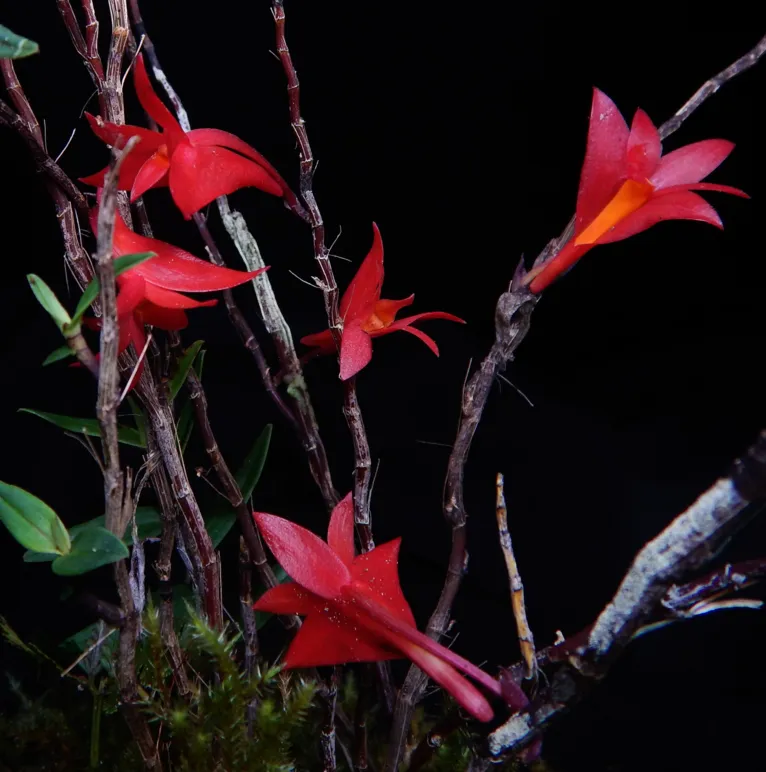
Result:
{"points": [[88, 426], [148, 520], [220, 522], [60, 353], [261, 617], [31, 521], [121, 264], [139, 418], [13, 46], [48, 300], [219, 525], [184, 365], [185, 425], [30, 556], [92, 547], [249, 473]]}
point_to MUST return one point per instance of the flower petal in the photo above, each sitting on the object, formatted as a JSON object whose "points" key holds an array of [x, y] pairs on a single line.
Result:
{"points": [[631, 196], [306, 558], [132, 293], [355, 350], [200, 174], [117, 134], [643, 148], [322, 340], [331, 639], [340, 534], [604, 167], [379, 569], [712, 186], [543, 276], [677, 205], [286, 598], [169, 299], [385, 311], [691, 163], [212, 137], [164, 318], [150, 175], [153, 105], [173, 268], [361, 295]]}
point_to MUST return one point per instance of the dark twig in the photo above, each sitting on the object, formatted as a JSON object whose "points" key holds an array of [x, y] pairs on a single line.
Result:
{"points": [[647, 595], [327, 281], [329, 761], [526, 639], [61, 189], [303, 419], [511, 324], [249, 629]]}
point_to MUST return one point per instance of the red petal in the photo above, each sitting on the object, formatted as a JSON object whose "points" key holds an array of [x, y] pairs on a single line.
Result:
{"points": [[212, 137], [643, 149], [164, 318], [287, 598], [169, 299], [677, 205], [379, 570], [117, 134], [340, 534], [359, 299], [132, 293], [306, 558], [150, 175], [386, 310], [691, 163], [706, 186], [153, 104], [331, 639], [405, 326], [604, 167], [322, 340], [174, 268], [355, 351], [200, 174], [556, 266]]}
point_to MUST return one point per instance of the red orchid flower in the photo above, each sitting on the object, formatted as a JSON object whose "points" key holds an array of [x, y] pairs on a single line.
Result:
{"points": [[150, 291], [198, 165], [366, 316], [355, 610], [627, 185]]}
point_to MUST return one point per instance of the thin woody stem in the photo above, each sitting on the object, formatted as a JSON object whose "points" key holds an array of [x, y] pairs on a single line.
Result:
{"points": [[327, 281], [526, 639]]}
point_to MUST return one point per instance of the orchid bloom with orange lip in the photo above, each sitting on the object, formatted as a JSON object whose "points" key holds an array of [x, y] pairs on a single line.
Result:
{"points": [[365, 316], [627, 185], [150, 292], [198, 165], [355, 610]]}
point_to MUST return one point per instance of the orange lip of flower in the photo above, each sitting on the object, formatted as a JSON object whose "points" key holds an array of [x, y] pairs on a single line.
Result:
{"points": [[631, 196]]}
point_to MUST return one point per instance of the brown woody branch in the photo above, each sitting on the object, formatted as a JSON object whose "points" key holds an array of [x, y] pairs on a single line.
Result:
{"points": [[649, 597], [327, 281], [511, 324]]}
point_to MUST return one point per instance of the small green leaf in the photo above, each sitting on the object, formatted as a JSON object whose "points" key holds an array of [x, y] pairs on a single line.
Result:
{"points": [[92, 547], [184, 365], [249, 473], [148, 520], [185, 425], [30, 556], [221, 520], [13, 46], [219, 525], [121, 264], [88, 426], [60, 353], [48, 300], [31, 521], [139, 418]]}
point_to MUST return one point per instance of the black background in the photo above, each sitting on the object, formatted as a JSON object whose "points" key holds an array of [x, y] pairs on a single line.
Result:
{"points": [[460, 130]]}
